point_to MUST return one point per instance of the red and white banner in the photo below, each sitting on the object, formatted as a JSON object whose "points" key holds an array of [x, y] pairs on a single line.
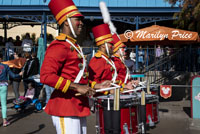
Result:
{"points": [[165, 91]]}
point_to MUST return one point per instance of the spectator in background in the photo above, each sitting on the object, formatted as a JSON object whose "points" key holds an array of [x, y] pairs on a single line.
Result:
{"points": [[16, 81], [30, 68], [18, 42], [27, 43], [50, 38], [49, 91], [132, 55], [34, 70], [141, 58], [29, 94], [34, 66], [159, 52], [129, 63], [9, 49], [4, 71], [26, 71]]}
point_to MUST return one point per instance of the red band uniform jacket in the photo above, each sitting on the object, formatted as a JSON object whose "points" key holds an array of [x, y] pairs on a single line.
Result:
{"points": [[99, 69], [61, 65], [121, 70]]}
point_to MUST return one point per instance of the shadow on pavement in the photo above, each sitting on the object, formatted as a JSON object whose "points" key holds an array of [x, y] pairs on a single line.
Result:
{"points": [[41, 126], [187, 110], [163, 110]]}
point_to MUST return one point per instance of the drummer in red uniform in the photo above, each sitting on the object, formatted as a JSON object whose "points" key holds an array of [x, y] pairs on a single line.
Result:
{"points": [[101, 67], [123, 74], [64, 69]]}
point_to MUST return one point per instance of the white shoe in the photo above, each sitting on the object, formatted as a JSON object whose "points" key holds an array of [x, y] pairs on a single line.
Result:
{"points": [[44, 107]]}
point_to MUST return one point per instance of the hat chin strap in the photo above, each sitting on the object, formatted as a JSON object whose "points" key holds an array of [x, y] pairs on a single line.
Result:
{"points": [[107, 49], [120, 51], [71, 28]]}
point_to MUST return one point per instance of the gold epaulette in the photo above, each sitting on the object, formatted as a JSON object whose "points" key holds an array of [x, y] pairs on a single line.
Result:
{"points": [[61, 37], [98, 55]]}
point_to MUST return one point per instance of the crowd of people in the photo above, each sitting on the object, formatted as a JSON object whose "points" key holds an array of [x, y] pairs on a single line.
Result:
{"points": [[10, 46], [13, 72]]}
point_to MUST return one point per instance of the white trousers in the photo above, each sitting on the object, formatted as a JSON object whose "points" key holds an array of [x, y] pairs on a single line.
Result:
{"points": [[70, 125]]}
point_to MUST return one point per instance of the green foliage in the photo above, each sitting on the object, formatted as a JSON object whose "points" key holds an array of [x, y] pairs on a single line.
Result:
{"points": [[189, 16]]}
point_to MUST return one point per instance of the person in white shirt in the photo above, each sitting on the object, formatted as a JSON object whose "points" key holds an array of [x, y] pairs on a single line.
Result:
{"points": [[27, 43], [10, 49]]}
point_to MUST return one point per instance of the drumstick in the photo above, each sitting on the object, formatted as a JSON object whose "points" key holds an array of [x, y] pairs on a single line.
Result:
{"points": [[116, 99], [99, 90], [115, 85], [133, 90], [148, 89]]}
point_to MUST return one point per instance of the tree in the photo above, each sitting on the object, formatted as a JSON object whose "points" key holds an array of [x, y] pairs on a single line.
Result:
{"points": [[189, 17]]}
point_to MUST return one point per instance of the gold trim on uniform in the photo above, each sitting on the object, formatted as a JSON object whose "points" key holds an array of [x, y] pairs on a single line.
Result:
{"points": [[100, 53], [122, 87], [73, 13], [67, 16], [117, 46], [106, 92], [59, 82], [71, 39], [104, 41], [66, 87], [62, 125], [103, 37], [93, 84], [65, 10]]}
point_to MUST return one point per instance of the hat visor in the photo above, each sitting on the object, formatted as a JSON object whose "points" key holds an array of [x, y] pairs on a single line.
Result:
{"points": [[78, 15], [111, 42]]}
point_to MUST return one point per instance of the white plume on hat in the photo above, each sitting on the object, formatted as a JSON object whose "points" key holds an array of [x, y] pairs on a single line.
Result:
{"points": [[106, 16], [104, 12]]}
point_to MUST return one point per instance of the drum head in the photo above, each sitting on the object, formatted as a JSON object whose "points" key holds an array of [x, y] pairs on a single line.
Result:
{"points": [[111, 97], [149, 97], [125, 100]]}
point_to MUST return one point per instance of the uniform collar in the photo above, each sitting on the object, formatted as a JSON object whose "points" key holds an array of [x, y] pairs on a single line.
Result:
{"points": [[116, 55], [63, 37], [100, 53]]}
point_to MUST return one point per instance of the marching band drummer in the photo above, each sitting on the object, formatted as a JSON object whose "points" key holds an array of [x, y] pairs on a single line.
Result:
{"points": [[101, 67], [64, 69], [123, 73]]}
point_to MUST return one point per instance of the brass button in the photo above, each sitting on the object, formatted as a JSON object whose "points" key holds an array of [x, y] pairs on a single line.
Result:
{"points": [[80, 65], [111, 69], [79, 56], [85, 75], [72, 48], [132, 113]]}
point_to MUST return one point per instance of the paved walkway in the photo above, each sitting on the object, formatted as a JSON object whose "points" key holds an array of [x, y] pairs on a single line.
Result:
{"points": [[174, 119]]}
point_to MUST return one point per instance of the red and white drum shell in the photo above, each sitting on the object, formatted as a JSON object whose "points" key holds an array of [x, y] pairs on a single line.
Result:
{"points": [[128, 111]]}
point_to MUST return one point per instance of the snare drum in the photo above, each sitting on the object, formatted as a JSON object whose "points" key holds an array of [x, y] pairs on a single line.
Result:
{"points": [[154, 90], [152, 115], [128, 112]]}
